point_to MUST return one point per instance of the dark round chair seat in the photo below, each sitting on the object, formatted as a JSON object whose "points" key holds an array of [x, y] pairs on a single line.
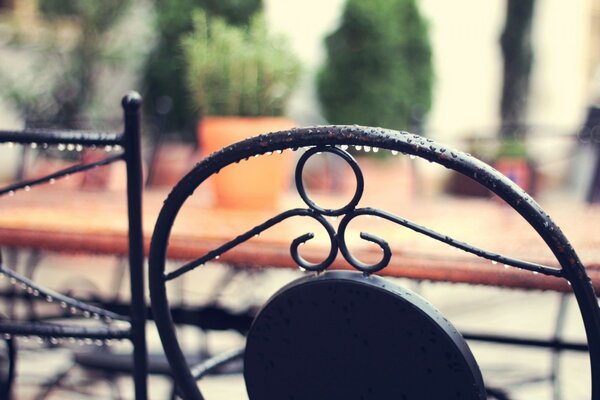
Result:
{"points": [[345, 336]]}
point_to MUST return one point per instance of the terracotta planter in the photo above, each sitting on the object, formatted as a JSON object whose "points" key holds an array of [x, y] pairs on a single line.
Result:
{"points": [[520, 171], [254, 184]]}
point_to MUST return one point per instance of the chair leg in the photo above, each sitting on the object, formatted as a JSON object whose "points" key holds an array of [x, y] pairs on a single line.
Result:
{"points": [[559, 325], [6, 385]]}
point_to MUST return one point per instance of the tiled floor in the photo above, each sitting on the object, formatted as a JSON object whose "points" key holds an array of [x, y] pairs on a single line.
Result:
{"points": [[468, 307]]}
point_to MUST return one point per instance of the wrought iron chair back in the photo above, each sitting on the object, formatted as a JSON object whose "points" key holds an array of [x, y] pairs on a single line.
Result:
{"points": [[110, 325], [336, 140]]}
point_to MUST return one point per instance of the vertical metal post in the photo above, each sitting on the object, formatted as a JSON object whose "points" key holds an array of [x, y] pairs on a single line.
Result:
{"points": [[131, 106]]}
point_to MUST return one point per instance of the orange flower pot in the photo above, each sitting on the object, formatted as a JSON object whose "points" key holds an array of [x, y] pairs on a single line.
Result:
{"points": [[254, 184]]}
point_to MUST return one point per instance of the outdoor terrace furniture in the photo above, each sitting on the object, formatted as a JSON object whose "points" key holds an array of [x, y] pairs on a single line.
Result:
{"points": [[341, 334], [80, 321]]}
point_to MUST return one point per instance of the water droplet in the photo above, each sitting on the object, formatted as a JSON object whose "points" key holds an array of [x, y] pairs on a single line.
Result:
{"points": [[358, 148], [36, 292], [7, 336], [73, 310], [569, 283], [27, 188], [61, 147], [344, 147], [375, 149], [86, 314], [367, 149], [494, 262], [108, 148], [11, 192], [301, 269], [506, 265], [70, 147], [11, 144], [95, 316], [394, 152], [217, 257], [13, 281], [53, 340], [33, 145], [412, 156], [49, 299], [78, 148], [52, 181], [535, 272], [63, 304]]}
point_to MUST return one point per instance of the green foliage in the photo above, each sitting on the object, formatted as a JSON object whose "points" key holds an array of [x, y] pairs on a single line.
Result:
{"points": [[64, 85], [241, 71], [163, 75], [378, 71]]}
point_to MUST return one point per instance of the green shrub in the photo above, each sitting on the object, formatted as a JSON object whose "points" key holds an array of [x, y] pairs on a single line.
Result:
{"points": [[378, 70], [234, 70], [163, 74]]}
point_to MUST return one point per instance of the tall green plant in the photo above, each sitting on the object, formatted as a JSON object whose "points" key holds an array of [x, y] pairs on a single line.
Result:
{"points": [[244, 71], [163, 72], [378, 69]]}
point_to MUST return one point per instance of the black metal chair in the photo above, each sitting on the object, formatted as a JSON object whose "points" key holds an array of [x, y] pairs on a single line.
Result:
{"points": [[341, 335], [86, 322]]}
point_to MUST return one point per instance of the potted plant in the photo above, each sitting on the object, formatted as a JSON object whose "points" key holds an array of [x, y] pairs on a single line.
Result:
{"points": [[240, 79]]}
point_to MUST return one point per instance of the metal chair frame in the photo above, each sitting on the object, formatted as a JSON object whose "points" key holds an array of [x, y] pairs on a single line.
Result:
{"points": [[129, 141], [336, 139]]}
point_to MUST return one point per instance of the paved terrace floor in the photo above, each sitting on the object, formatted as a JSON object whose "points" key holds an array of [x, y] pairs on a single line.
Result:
{"points": [[526, 313]]}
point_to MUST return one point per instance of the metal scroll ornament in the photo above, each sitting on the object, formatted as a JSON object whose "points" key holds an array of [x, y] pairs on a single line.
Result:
{"points": [[337, 239]]}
